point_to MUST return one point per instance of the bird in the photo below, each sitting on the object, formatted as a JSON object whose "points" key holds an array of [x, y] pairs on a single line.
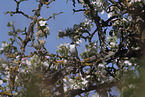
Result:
{"points": [[73, 50]]}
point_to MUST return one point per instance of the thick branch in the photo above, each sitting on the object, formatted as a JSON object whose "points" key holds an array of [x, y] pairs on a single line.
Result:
{"points": [[97, 19], [94, 87]]}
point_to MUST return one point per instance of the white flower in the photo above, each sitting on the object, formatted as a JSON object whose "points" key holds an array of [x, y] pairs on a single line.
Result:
{"points": [[87, 76], [25, 58], [102, 12], [83, 88], [102, 82], [46, 30], [65, 87], [53, 66], [93, 50], [16, 78], [101, 65], [136, 48], [76, 86], [17, 57], [7, 68], [88, 71], [84, 81], [112, 43], [124, 19], [1, 49], [16, 93], [4, 45], [65, 61], [96, 95], [110, 14], [126, 62], [132, 1], [129, 64], [28, 62], [4, 65], [41, 42], [71, 80], [1, 82], [40, 34], [46, 63], [22, 70], [66, 45], [64, 80], [7, 76], [42, 23], [78, 41], [47, 57]]}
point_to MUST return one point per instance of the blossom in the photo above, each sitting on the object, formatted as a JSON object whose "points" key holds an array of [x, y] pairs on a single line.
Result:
{"points": [[39, 34], [42, 23], [46, 30], [96, 95], [46, 63], [110, 14], [84, 81], [41, 42], [28, 62], [1, 82], [101, 65], [7, 68], [93, 50], [65, 87], [65, 61], [16, 78], [22, 70], [4, 44], [16, 93], [102, 12], [112, 43], [66, 45], [132, 1], [76, 86], [136, 48], [71, 81], [4, 65], [62, 45], [17, 57], [127, 62], [64, 80], [88, 76], [78, 41]]}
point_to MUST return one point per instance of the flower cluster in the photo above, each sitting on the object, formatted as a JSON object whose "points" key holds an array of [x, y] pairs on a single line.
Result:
{"points": [[78, 83], [63, 49], [77, 32], [133, 1], [42, 29], [4, 45], [100, 5], [91, 49]]}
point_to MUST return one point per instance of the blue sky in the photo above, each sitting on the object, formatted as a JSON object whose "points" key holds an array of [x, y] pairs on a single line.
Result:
{"points": [[61, 22]]}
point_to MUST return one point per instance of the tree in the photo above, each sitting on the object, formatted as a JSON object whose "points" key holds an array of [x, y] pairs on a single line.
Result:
{"points": [[115, 59]]}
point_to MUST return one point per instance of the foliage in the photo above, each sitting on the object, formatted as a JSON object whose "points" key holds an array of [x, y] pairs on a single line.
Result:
{"points": [[115, 59]]}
